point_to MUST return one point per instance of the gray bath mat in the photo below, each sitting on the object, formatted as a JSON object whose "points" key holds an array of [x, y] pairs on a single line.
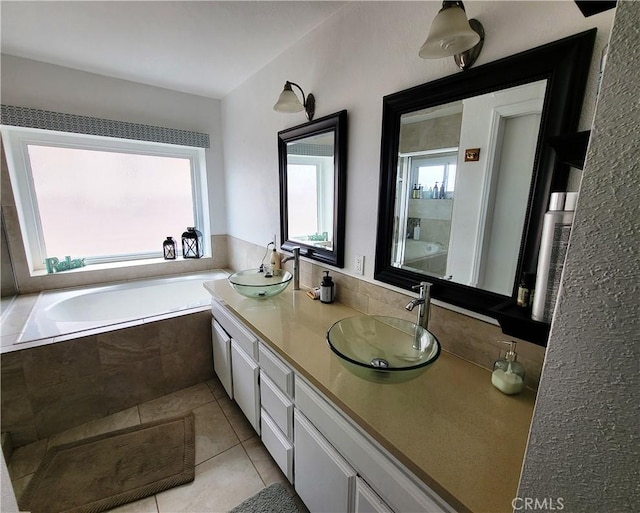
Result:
{"points": [[105, 471], [272, 499]]}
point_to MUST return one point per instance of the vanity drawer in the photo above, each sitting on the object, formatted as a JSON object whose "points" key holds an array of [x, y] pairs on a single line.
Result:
{"points": [[245, 339], [278, 446], [395, 484], [276, 369], [277, 405]]}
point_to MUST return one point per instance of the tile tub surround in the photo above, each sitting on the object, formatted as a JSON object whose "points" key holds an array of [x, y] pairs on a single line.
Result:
{"points": [[231, 462], [474, 340], [450, 426], [48, 389]]}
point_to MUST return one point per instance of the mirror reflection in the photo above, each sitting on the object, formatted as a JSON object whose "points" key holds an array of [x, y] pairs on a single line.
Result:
{"points": [[463, 181], [312, 160], [310, 181]]}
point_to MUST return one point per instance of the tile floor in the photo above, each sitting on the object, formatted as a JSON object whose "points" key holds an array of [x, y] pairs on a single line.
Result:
{"points": [[231, 462]]}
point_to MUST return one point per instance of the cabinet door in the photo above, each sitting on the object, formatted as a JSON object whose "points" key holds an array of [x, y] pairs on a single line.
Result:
{"points": [[367, 501], [246, 388], [278, 445], [222, 356], [323, 479]]}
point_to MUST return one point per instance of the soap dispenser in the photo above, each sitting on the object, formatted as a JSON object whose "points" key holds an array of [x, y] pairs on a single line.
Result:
{"points": [[508, 373], [327, 289], [276, 262]]}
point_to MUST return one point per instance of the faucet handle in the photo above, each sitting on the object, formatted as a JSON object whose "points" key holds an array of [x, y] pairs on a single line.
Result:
{"points": [[423, 285]]}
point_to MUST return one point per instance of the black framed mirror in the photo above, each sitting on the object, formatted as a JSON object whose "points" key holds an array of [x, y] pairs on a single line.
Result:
{"points": [[425, 233], [312, 160]]}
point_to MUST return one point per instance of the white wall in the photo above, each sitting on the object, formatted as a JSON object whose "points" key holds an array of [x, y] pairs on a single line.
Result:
{"points": [[28, 83], [365, 51]]}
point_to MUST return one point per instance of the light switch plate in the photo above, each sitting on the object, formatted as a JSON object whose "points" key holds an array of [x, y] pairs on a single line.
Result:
{"points": [[359, 264]]}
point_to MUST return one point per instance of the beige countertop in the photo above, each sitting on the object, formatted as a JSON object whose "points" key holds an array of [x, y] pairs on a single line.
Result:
{"points": [[450, 426]]}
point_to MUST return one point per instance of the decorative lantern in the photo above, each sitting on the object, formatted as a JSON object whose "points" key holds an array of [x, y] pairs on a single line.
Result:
{"points": [[169, 249], [192, 243]]}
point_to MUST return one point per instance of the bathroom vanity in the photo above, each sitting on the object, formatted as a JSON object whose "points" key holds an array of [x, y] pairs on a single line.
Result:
{"points": [[446, 441]]}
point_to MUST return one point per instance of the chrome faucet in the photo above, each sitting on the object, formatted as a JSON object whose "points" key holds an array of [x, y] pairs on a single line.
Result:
{"points": [[424, 303], [296, 266]]}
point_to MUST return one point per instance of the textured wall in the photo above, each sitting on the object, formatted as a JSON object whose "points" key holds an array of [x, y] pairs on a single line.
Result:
{"points": [[585, 442]]}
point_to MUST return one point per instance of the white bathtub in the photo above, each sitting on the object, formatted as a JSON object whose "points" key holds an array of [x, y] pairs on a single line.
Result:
{"points": [[415, 249], [61, 313]]}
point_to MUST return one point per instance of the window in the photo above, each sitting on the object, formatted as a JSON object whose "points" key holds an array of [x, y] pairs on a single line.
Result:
{"points": [[103, 199]]}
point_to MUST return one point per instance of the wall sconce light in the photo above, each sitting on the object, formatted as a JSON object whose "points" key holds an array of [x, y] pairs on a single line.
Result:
{"points": [[452, 34], [288, 101]]}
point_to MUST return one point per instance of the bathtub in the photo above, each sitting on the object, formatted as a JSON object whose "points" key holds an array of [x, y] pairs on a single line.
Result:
{"points": [[415, 249], [61, 314]]}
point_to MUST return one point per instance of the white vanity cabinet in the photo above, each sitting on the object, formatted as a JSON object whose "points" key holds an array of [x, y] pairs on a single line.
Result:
{"points": [[246, 384], [276, 398], [367, 501], [221, 343], [391, 484], [235, 354], [324, 480], [334, 465]]}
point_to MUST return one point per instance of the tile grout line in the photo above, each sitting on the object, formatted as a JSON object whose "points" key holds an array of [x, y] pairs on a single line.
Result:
{"points": [[253, 464]]}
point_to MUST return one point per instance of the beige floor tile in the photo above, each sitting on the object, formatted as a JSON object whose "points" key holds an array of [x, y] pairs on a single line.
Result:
{"points": [[146, 505], [221, 483], [176, 403], [214, 433], [120, 420], [216, 387], [264, 463], [238, 421], [25, 460]]}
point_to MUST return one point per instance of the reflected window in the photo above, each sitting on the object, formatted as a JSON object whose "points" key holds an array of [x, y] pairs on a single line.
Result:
{"points": [[432, 171], [303, 180], [310, 181]]}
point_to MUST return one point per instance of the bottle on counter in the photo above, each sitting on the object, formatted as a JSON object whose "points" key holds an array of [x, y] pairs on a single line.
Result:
{"points": [[327, 289], [508, 373], [276, 263], [441, 193], [436, 191]]}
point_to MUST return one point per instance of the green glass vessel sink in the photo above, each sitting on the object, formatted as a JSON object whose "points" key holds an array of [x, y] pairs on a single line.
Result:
{"points": [[256, 284], [383, 349]]}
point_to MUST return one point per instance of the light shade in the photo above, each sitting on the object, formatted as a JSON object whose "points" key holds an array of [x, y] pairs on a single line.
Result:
{"points": [[450, 34], [288, 101]]}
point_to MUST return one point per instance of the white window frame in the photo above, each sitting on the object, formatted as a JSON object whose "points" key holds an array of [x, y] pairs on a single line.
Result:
{"points": [[16, 141]]}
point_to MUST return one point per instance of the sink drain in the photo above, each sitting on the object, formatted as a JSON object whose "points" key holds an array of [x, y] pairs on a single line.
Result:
{"points": [[380, 363]]}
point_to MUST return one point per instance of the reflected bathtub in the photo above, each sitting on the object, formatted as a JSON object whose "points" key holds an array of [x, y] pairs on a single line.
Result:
{"points": [[63, 312], [415, 249]]}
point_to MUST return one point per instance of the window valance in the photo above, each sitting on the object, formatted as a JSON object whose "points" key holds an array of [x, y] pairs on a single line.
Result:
{"points": [[49, 120]]}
